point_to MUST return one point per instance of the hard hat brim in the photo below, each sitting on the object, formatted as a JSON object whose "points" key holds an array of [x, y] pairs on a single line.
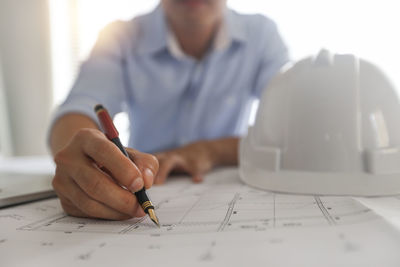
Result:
{"points": [[315, 183]]}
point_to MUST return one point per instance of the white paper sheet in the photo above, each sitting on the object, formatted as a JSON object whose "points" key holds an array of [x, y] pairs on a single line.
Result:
{"points": [[220, 222], [388, 207]]}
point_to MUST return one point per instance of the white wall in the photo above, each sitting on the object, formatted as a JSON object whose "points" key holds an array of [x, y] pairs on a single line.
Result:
{"points": [[25, 50], [5, 136]]}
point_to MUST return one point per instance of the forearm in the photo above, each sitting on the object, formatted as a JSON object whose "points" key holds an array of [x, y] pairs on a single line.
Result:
{"points": [[224, 151], [66, 127]]}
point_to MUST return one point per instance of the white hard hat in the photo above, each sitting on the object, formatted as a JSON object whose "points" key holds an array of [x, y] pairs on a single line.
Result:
{"points": [[330, 124]]}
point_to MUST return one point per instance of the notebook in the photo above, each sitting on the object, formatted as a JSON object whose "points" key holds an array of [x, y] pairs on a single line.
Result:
{"points": [[17, 188]]}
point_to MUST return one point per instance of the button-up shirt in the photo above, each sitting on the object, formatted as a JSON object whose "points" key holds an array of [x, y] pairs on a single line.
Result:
{"points": [[172, 99]]}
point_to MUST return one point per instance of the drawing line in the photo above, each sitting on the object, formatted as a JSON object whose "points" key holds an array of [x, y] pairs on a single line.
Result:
{"points": [[274, 219], [191, 207], [131, 226], [47, 221], [324, 211], [229, 212]]}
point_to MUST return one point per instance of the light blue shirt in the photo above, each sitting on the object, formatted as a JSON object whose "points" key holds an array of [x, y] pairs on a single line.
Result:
{"points": [[172, 99]]}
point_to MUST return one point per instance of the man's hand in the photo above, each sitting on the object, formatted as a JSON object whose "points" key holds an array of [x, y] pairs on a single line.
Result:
{"points": [[90, 172], [197, 159]]}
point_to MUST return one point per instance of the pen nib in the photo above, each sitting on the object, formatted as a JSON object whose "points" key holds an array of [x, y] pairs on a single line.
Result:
{"points": [[153, 217]]}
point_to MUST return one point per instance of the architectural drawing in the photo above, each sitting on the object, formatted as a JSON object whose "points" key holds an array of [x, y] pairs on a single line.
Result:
{"points": [[220, 222], [220, 205]]}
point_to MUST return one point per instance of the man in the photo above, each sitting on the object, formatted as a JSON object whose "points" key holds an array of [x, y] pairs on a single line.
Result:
{"points": [[186, 74]]}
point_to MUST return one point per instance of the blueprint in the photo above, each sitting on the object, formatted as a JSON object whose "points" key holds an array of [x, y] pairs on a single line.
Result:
{"points": [[223, 205], [219, 222]]}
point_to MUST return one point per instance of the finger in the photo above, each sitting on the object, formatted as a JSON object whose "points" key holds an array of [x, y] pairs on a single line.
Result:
{"points": [[165, 168], [147, 164], [193, 171], [67, 205], [88, 206], [77, 203], [70, 208], [98, 186], [106, 154], [191, 167], [167, 165], [197, 178]]}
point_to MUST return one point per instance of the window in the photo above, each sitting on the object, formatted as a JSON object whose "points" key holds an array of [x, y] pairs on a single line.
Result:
{"points": [[75, 25], [366, 28]]}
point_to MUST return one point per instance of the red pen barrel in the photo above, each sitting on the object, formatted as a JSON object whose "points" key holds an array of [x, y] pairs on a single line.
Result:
{"points": [[106, 122]]}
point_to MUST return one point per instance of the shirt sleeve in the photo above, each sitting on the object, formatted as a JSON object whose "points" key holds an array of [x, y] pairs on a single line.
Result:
{"points": [[101, 77], [273, 55]]}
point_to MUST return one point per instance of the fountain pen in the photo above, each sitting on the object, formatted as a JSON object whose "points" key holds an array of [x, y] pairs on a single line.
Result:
{"points": [[113, 135]]}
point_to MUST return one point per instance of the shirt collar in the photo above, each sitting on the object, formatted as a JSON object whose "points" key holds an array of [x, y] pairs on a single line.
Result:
{"points": [[156, 36]]}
